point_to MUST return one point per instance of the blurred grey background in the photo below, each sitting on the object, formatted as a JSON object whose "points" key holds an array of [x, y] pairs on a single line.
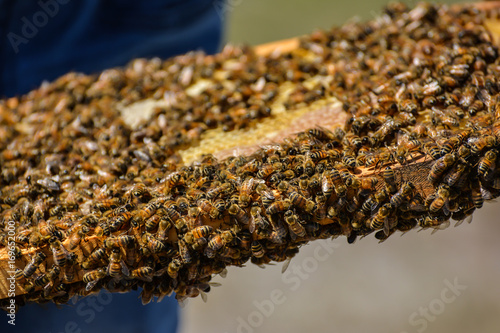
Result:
{"points": [[402, 285]]}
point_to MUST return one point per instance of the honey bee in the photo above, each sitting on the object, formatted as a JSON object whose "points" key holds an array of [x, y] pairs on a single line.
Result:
{"points": [[457, 173], [173, 215], [220, 205], [440, 166], [223, 190], [449, 146], [250, 167], [147, 293], [33, 265], [103, 228], [117, 266], [239, 214], [366, 184], [207, 208], [140, 192], [475, 107], [327, 186], [263, 228], [194, 194], [201, 182], [402, 195], [468, 96], [59, 253], [295, 227], [487, 163], [230, 253], [152, 222], [309, 166], [132, 171], [265, 171], [321, 133], [130, 256], [48, 230], [153, 244], [352, 140], [478, 144], [141, 215], [214, 244], [76, 236], [120, 221], [182, 203], [349, 162], [319, 155], [92, 278], [278, 206], [123, 241], [255, 218], [477, 196], [95, 257], [107, 204], [368, 206], [47, 280], [301, 202], [144, 273], [380, 219], [257, 249], [174, 180], [433, 150], [435, 223], [201, 232], [23, 236], [405, 225], [441, 202], [246, 191], [184, 253]]}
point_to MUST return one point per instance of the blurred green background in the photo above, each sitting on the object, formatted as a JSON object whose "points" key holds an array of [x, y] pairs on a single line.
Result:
{"points": [[260, 21]]}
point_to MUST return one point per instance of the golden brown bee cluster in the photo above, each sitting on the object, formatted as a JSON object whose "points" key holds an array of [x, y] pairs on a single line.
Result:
{"points": [[98, 204]]}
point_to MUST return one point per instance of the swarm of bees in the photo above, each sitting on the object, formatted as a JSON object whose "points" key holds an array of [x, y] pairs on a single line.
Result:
{"points": [[98, 204]]}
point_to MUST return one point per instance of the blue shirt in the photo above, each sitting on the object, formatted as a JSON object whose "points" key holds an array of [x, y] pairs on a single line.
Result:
{"points": [[41, 40]]}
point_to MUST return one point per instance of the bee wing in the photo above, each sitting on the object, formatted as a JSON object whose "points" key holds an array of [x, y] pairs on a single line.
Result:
{"points": [[386, 227], [286, 263], [125, 270], [418, 207], [442, 226], [223, 273], [48, 288], [161, 297], [203, 296], [146, 297], [446, 207], [66, 252], [91, 285], [468, 219], [215, 284], [251, 226], [146, 278], [487, 195], [160, 272], [209, 253]]}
